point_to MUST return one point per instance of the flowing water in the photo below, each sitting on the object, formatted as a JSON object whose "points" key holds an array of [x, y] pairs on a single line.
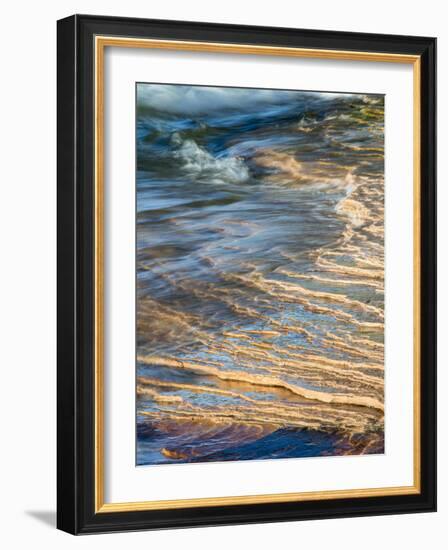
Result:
{"points": [[260, 274]]}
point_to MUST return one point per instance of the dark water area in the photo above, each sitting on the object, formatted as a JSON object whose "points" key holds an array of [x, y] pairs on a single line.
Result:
{"points": [[260, 274]]}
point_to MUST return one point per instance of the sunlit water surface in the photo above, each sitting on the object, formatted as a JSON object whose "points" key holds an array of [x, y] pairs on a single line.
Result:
{"points": [[260, 303]]}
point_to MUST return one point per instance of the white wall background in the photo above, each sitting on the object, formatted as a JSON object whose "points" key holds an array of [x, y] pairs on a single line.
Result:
{"points": [[27, 272]]}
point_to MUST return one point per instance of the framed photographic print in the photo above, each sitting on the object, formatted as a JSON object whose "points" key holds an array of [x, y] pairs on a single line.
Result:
{"points": [[246, 274]]}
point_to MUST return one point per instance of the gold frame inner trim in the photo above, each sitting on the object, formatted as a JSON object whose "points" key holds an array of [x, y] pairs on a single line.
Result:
{"points": [[101, 42]]}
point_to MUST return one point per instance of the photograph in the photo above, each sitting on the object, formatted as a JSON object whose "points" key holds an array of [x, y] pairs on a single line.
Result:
{"points": [[259, 274]]}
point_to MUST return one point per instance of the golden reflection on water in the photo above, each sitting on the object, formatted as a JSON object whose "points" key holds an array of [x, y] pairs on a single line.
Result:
{"points": [[291, 339]]}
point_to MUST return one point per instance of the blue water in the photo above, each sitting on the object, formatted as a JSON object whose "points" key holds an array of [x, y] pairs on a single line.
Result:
{"points": [[260, 277]]}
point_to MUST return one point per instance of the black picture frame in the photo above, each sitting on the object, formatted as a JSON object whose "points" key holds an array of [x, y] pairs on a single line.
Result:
{"points": [[76, 512]]}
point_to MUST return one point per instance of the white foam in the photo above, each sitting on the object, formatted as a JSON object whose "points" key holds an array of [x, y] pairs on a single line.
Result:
{"points": [[198, 163]]}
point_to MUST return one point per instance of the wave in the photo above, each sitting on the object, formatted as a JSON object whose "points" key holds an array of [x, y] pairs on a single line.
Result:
{"points": [[268, 381], [263, 335], [199, 164]]}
